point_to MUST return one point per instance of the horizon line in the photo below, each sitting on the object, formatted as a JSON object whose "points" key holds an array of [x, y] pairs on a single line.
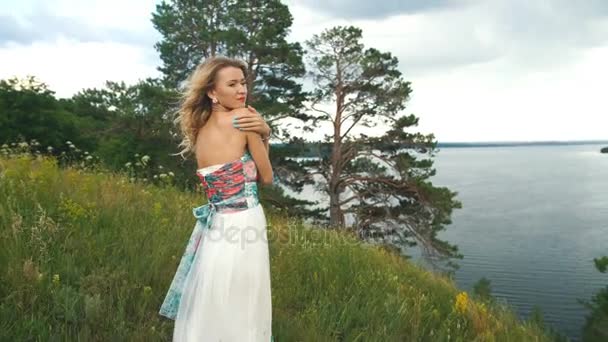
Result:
{"points": [[599, 141]]}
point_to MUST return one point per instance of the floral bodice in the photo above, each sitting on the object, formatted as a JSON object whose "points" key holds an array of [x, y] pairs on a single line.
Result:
{"points": [[232, 184]]}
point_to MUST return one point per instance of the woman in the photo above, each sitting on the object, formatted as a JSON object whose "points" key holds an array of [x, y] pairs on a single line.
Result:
{"points": [[221, 290]]}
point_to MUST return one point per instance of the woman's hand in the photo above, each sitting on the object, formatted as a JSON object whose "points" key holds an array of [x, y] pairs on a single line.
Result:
{"points": [[251, 121]]}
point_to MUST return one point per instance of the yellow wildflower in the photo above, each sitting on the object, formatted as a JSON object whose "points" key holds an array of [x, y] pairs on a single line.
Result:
{"points": [[56, 279], [462, 301]]}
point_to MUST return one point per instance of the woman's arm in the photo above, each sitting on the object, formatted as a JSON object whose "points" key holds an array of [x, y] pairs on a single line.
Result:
{"points": [[260, 152], [266, 140], [252, 121]]}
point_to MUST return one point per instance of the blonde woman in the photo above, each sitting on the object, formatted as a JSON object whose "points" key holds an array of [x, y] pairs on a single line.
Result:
{"points": [[221, 289]]}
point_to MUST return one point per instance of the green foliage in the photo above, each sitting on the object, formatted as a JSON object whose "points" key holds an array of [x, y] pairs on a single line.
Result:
{"points": [[537, 316], [483, 289], [71, 156], [112, 124], [142, 123], [601, 264], [29, 110], [89, 256], [141, 169], [596, 324]]}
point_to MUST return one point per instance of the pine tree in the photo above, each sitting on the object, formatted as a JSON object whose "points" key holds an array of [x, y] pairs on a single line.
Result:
{"points": [[378, 180], [253, 31]]}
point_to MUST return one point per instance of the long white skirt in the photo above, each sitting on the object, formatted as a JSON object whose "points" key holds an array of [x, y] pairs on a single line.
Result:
{"points": [[226, 295]]}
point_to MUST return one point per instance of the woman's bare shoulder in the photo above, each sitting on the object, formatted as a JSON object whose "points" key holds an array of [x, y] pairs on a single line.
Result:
{"points": [[218, 142], [220, 126]]}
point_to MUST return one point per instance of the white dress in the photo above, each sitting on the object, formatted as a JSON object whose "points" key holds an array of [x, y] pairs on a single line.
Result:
{"points": [[221, 290]]}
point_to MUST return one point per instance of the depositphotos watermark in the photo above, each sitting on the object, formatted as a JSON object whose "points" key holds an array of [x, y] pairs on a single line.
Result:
{"points": [[290, 231]]}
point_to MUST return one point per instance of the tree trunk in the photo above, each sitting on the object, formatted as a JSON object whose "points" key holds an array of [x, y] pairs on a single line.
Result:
{"points": [[336, 217]]}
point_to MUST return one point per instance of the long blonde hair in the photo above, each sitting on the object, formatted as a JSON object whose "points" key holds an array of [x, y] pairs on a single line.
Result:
{"points": [[195, 106]]}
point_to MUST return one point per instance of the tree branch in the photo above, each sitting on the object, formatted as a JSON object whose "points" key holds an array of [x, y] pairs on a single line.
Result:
{"points": [[355, 121], [312, 106], [381, 157]]}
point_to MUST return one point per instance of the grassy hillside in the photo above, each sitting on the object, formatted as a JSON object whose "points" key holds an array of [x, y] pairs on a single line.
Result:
{"points": [[90, 256]]}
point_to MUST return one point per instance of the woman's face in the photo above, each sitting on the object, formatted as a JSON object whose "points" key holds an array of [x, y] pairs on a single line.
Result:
{"points": [[230, 89]]}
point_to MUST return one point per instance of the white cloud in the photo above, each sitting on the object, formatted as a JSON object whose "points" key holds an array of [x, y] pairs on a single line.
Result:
{"points": [[482, 103], [132, 14], [71, 45], [68, 66], [495, 70]]}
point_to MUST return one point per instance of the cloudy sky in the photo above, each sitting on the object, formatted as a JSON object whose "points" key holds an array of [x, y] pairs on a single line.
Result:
{"points": [[483, 70]]}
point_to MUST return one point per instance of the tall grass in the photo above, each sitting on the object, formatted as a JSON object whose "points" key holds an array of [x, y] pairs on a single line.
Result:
{"points": [[89, 256]]}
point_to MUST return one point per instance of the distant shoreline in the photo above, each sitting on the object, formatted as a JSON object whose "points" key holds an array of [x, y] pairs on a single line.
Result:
{"points": [[519, 143]]}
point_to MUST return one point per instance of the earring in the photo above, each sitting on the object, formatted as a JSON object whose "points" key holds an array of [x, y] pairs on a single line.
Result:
{"points": [[214, 100]]}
